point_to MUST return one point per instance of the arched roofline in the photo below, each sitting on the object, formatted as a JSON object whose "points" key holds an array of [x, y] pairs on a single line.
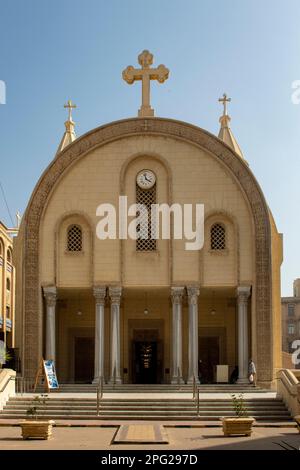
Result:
{"points": [[176, 130]]}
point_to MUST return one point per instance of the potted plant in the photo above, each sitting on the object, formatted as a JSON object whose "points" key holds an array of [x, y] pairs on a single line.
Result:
{"points": [[34, 428], [241, 424], [5, 355]]}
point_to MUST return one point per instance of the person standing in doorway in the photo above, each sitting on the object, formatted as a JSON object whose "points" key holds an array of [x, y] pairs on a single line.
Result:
{"points": [[252, 372]]}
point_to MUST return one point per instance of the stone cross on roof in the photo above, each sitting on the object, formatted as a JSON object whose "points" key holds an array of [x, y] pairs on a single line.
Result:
{"points": [[70, 106], [145, 74], [225, 100]]}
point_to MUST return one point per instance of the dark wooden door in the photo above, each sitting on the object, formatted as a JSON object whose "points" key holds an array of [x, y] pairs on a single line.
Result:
{"points": [[145, 367], [209, 357], [84, 359]]}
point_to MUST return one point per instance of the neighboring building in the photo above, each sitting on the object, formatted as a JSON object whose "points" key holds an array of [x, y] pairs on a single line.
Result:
{"points": [[7, 288], [291, 320], [148, 311]]}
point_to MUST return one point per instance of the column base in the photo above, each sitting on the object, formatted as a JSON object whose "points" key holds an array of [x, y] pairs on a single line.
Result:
{"points": [[190, 381], [96, 381], [177, 381], [243, 381], [115, 381]]}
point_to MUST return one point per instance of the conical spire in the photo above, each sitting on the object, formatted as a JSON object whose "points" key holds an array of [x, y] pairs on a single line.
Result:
{"points": [[69, 135], [225, 132]]}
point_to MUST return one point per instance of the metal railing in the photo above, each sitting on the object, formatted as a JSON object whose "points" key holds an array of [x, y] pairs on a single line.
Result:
{"points": [[196, 395], [178, 376], [194, 387], [99, 393], [24, 385]]}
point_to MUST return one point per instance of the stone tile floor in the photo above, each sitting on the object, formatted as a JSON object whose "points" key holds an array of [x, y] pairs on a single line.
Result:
{"points": [[187, 438]]}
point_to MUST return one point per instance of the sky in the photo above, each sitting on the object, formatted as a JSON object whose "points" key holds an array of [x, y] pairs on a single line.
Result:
{"points": [[55, 50]]}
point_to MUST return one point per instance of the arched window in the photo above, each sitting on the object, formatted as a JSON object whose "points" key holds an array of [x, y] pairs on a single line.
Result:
{"points": [[7, 284], [1, 247], [74, 238], [9, 256], [217, 237], [147, 197]]}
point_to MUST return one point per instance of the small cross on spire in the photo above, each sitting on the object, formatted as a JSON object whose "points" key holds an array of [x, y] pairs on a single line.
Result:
{"points": [[70, 106], [224, 100]]}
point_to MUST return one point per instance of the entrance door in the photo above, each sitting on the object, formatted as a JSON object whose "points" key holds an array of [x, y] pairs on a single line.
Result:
{"points": [[84, 359], [145, 366], [209, 357]]}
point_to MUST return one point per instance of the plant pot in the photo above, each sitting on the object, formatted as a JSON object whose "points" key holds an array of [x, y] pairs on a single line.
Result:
{"points": [[36, 429], [235, 426], [297, 419]]}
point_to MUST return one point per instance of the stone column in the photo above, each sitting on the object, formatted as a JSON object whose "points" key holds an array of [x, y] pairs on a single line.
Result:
{"points": [[115, 297], [99, 294], [50, 297], [176, 294], [193, 293], [243, 294]]}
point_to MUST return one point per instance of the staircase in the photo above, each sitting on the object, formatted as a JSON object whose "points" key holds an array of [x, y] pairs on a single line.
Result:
{"points": [[164, 403], [158, 388]]}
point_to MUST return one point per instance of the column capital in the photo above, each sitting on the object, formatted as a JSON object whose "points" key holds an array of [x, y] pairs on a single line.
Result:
{"points": [[99, 294], [50, 294], [115, 295], [243, 293], [177, 294], [193, 293]]}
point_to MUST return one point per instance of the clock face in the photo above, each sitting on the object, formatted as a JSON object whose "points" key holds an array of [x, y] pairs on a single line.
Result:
{"points": [[146, 179]]}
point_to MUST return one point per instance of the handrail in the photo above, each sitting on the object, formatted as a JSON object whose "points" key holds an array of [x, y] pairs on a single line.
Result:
{"points": [[194, 387], [285, 380], [178, 376], [6, 383], [114, 375], [198, 401], [24, 384], [99, 393]]}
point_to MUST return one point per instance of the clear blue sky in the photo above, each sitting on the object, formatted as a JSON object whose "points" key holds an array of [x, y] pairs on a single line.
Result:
{"points": [[53, 50]]}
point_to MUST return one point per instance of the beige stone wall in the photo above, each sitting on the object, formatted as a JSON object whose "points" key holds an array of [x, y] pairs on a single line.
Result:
{"points": [[185, 174], [7, 287], [277, 257]]}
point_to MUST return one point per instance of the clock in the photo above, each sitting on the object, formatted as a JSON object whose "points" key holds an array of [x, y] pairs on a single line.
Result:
{"points": [[146, 179]]}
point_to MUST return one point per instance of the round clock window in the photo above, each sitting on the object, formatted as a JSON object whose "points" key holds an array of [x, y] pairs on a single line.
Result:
{"points": [[146, 179]]}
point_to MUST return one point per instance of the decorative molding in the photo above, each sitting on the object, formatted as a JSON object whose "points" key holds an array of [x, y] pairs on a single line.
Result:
{"points": [[50, 294], [243, 294], [176, 295], [162, 127], [193, 294], [115, 295], [99, 294]]}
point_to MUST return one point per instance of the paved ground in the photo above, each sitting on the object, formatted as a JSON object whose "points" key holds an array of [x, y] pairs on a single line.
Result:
{"points": [[100, 438]]}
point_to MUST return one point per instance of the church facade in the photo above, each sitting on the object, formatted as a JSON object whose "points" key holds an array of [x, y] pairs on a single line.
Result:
{"points": [[148, 311]]}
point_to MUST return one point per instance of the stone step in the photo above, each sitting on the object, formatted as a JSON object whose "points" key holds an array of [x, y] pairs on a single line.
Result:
{"points": [[156, 389], [148, 410], [151, 412], [108, 403], [147, 417], [142, 401], [263, 408]]}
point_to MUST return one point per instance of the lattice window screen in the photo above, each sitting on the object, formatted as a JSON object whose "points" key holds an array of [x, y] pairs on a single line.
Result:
{"points": [[146, 197], [217, 237], [74, 238]]}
